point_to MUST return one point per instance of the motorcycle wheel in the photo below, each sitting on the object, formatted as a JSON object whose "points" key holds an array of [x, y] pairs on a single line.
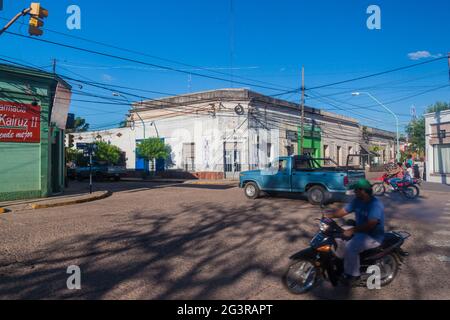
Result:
{"points": [[411, 192], [301, 276], [379, 189], [389, 266]]}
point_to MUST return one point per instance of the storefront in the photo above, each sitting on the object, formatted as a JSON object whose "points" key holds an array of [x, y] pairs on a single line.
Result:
{"points": [[33, 114], [312, 141]]}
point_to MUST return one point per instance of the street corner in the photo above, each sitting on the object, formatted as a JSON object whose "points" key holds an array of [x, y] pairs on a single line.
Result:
{"points": [[99, 195]]}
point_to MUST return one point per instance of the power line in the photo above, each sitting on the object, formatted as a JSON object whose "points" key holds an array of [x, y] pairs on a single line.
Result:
{"points": [[138, 61], [156, 57], [367, 76]]}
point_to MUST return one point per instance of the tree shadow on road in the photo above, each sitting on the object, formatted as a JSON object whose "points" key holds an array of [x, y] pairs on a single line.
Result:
{"points": [[198, 252]]}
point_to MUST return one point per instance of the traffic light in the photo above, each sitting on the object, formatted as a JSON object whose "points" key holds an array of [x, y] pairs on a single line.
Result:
{"points": [[70, 140], [37, 13]]}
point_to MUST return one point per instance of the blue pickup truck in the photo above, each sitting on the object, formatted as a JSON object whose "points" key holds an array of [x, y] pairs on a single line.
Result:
{"points": [[100, 171], [300, 174]]}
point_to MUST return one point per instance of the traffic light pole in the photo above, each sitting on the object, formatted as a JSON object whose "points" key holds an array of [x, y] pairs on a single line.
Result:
{"points": [[302, 116], [90, 169], [24, 12]]}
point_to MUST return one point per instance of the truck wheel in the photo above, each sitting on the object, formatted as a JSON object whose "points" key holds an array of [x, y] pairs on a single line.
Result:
{"points": [[251, 190], [318, 195]]}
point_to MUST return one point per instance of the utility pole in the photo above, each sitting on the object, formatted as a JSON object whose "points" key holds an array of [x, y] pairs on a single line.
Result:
{"points": [[16, 17], [448, 56], [302, 121], [37, 14], [54, 65]]}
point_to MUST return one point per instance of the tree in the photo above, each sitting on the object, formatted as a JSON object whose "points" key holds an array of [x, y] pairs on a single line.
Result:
{"points": [[123, 124], [80, 125], [416, 134], [75, 156], [153, 148], [416, 128], [107, 152], [438, 106]]}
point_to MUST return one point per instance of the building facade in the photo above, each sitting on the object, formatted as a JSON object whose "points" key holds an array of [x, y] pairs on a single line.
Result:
{"points": [[218, 134], [33, 105], [437, 144]]}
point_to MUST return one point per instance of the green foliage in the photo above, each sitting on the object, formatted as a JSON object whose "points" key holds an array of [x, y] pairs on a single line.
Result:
{"points": [[376, 149], [438, 106], [123, 124], [416, 128], [80, 125], [416, 134], [153, 148], [74, 155], [107, 152]]}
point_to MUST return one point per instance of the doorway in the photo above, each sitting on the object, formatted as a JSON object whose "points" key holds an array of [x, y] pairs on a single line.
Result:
{"points": [[232, 159]]}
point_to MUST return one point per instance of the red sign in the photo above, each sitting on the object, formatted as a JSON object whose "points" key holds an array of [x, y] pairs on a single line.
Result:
{"points": [[20, 122]]}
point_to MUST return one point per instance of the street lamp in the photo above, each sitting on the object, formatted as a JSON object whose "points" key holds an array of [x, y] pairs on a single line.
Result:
{"points": [[116, 94], [355, 94], [154, 124]]}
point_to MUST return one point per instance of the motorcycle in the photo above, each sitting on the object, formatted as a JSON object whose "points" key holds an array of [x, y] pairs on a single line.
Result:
{"points": [[320, 262], [409, 189]]}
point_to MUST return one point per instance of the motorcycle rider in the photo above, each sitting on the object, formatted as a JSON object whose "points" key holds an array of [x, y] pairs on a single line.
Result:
{"points": [[368, 232], [398, 177]]}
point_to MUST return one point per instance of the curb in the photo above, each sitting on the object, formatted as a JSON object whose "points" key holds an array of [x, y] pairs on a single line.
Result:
{"points": [[213, 183], [437, 192], [104, 195], [156, 181]]}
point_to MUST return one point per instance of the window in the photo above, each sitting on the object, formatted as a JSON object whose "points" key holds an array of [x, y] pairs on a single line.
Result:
{"points": [[442, 134], [326, 155], [302, 164], [339, 155], [442, 159], [289, 150], [282, 165], [188, 155], [350, 152]]}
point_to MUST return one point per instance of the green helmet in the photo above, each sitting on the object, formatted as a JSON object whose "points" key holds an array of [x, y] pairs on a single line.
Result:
{"points": [[363, 184]]}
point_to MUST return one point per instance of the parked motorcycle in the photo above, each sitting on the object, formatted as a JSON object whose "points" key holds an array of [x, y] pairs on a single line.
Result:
{"points": [[409, 189], [320, 262]]}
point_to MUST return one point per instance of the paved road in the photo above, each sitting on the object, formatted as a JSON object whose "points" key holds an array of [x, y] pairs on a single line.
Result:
{"points": [[163, 241]]}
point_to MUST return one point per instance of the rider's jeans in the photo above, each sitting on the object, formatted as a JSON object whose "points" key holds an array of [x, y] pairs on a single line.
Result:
{"points": [[394, 182], [350, 250]]}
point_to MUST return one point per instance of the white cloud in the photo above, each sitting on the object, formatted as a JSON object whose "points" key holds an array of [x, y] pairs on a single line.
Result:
{"points": [[107, 77], [423, 55]]}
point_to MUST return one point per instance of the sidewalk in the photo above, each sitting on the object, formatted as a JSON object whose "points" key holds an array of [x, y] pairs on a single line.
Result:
{"points": [[435, 187], [57, 201], [189, 181]]}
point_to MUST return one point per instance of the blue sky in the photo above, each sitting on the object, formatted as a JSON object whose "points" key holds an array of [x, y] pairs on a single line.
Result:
{"points": [[271, 40]]}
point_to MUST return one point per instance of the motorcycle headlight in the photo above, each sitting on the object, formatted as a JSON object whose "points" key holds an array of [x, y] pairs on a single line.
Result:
{"points": [[323, 226]]}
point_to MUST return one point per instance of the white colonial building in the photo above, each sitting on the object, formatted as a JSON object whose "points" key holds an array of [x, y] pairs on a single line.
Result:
{"points": [[217, 134], [437, 144]]}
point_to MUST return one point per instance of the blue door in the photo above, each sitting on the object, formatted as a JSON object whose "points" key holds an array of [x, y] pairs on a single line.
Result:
{"points": [[160, 165], [144, 165], [141, 164]]}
